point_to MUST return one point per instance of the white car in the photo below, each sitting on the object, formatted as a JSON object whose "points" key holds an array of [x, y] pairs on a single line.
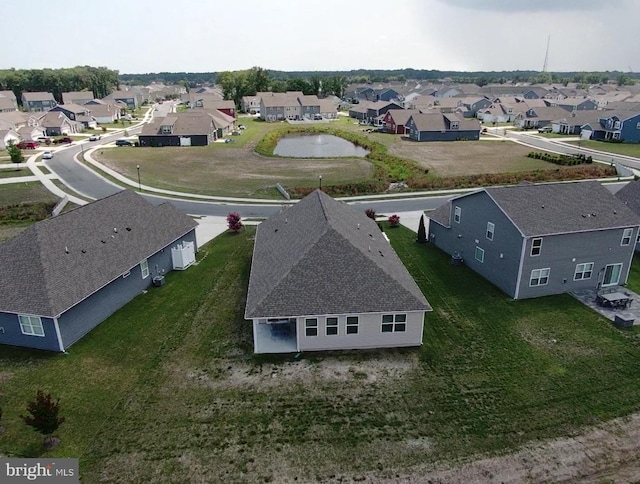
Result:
{"points": [[47, 155], [94, 137]]}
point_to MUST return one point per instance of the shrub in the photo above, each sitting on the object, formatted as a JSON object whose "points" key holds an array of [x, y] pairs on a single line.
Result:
{"points": [[371, 213], [234, 222], [44, 416], [394, 220]]}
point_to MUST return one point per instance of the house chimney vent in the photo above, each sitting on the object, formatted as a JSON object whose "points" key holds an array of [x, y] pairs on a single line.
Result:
{"points": [[66, 249]]}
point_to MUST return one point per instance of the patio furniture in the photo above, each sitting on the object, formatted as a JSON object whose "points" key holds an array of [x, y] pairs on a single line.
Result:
{"points": [[614, 300], [623, 321]]}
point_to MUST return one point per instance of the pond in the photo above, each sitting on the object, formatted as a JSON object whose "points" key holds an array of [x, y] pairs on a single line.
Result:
{"points": [[317, 146]]}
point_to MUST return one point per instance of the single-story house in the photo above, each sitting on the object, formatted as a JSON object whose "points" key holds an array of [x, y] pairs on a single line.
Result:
{"points": [[187, 128], [533, 240], [8, 137], [324, 277], [38, 101], [436, 126], [359, 111], [64, 275]]}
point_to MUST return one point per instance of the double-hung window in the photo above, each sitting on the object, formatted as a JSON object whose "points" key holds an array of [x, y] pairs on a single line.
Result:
{"points": [[626, 237], [144, 268], [394, 323], [490, 230], [332, 326], [311, 327], [352, 324], [539, 277], [479, 254], [31, 325], [583, 271], [536, 247]]}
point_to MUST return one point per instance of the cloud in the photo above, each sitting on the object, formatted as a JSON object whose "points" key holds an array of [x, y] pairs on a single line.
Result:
{"points": [[518, 6]]}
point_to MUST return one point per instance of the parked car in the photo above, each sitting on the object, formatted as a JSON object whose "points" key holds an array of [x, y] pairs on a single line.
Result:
{"points": [[544, 129], [94, 137], [123, 142], [242, 126], [47, 155], [28, 145], [63, 140], [229, 140], [44, 139]]}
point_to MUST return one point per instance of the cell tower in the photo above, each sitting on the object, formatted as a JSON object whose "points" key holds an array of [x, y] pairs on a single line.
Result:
{"points": [[546, 55]]}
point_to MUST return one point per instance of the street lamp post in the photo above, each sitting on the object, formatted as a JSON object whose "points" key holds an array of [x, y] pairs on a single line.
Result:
{"points": [[320, 178], [139, 184]]}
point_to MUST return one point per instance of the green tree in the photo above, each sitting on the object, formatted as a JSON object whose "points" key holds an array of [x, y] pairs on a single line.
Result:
{"points": [[16, 154], [44, 416], [422, 233], [258, 80], [624, 79]]}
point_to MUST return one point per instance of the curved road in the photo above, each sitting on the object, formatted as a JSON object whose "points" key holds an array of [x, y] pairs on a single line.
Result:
{"points": [[86, 182]]}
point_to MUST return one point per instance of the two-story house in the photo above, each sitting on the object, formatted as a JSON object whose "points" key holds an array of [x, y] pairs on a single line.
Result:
{"points": [[189, 128], [534, 240], [621, 126], [77, 97], [8, 102], [38, 101]]}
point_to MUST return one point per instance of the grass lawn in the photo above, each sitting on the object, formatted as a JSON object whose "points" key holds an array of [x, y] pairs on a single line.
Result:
{"points": [[29, 192], [13, 172], [628, 149], [166, 389]]}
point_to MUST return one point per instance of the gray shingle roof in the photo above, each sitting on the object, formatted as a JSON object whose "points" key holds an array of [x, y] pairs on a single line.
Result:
{"points": [[553, 208], [45, 271], [321, 256], [630, 196]]}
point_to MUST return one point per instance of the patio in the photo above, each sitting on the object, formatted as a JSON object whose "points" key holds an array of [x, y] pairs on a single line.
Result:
{"points": [[593, 298]]}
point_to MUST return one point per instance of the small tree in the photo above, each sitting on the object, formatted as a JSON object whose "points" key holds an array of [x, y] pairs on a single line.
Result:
{"points": [[371, 213], [234, 222], [16, 154], [422, 233], [44, 417], [394, 220]]}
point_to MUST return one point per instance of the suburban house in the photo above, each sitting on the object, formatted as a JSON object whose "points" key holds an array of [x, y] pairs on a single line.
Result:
{"points": [[129, 98], [8, 102], [538, 117], [438, 126], [396, 119], [387, 94], [77, 113], [328, 109], [380, 108], [30, 133], [324, 277], [38, 101], [574, 104], [64, 275], [276, 106], [623, 126], [198, 99], [188, 128], [56, 123], [103, 112], [227, 107], [359, 111], [500, 112], [573, 122], [77, 97], [8, 137], [534, 240], [251, 104]]}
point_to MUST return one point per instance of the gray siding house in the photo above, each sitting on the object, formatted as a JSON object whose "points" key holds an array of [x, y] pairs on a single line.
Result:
{"points": [[63, 276], [630, 196], [536, 240], [439, 126], [38, 101], [324, 277]]}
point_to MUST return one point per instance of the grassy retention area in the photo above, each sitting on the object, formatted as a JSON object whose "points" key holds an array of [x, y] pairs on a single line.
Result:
{"points": [[166, 389], [628, 149], [15, 172]]}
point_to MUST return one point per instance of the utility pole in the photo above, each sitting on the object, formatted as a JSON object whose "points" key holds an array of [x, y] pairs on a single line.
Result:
{"points": [[546, 55]]}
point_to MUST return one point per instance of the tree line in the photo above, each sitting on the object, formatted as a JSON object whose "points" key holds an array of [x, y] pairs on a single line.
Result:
{"points": [[100, 80]]}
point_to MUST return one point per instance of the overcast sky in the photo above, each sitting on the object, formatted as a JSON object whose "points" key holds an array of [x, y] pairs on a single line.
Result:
{"points": [[139, 36]]}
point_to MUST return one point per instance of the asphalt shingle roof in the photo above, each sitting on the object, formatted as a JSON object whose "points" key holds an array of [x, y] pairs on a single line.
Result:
{"points": [[321, 256], [55, 263], [553, 208], [630, 196]]}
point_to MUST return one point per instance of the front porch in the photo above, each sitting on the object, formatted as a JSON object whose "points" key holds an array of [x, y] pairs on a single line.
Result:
{"points": [[274, 336], [589, 297]]}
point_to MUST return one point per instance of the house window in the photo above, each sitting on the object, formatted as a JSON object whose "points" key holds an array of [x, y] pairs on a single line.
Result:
{"points": [[165, 129], [144, 268], [394, 323], [31, 325], [536, 247], [637, 125], [626, 236], [352, 324], [311, 327], [332, 326], [611, 274], [490, 229], [479, 254], [126, 274], [583, 271], [539, 277], [456, 215]]}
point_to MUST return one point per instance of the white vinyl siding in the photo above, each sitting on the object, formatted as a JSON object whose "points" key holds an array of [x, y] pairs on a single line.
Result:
{"points": [[31, 325], [583, 271], [539, 277], [144, 268], [626, 237]]}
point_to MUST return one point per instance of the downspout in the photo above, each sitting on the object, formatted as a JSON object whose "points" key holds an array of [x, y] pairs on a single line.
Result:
{"points": [[58, 335], [519, 279]]}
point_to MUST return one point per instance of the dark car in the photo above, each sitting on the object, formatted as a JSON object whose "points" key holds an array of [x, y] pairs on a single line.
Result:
{"points": [[123, 142], [64, 139], [27, 145]]}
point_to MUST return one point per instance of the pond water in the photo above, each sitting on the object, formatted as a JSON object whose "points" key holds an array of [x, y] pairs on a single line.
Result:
{"points": [[317, 146]]}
